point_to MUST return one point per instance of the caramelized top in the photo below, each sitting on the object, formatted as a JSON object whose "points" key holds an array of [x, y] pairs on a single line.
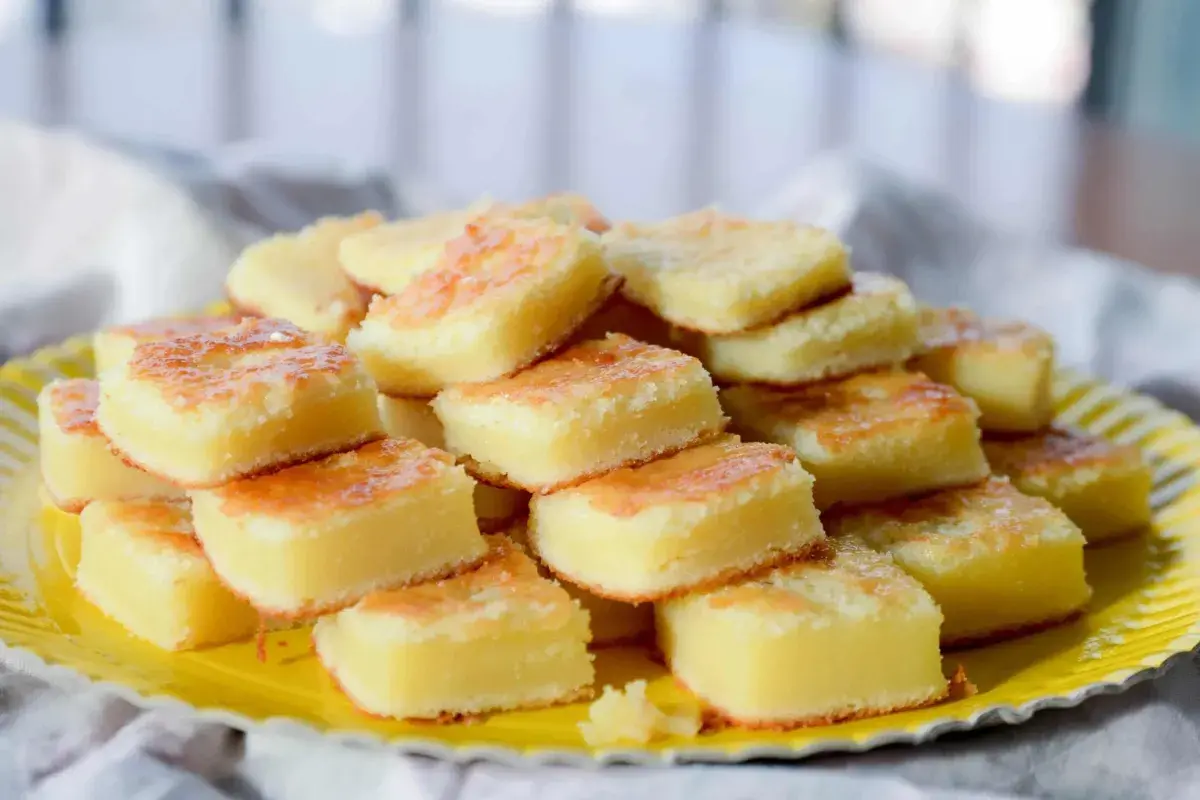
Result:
{"points": [[507, 576], [165, 522], [490, 255], [167, 328], [1054, 450], [991, 515], [953, 327], [841, 413], [594, 367], [315, 489], [565, 209], [692, 475], [712, 241], [73, 403], [235, 362], [848, 579]]}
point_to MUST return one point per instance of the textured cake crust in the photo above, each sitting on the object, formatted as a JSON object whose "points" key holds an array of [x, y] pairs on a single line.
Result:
{"points": [[608, 289], [810, 551], [1013, 632], [501, 480], [300, 458], [716, 718]]}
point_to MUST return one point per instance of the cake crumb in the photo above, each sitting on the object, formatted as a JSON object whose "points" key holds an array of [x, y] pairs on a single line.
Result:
{"points": [[627, 715], [960, 686]]}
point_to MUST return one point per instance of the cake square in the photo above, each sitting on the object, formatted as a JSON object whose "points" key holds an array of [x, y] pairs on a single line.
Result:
{"points": [[712, 272], [664, 528], [600, 405], [998, 562], [77, 464], [612, 621], [203, 409], [869, 437], [320, 535], [811, 643], [500, 637], [873, 325], [298, 277], [112, 347], [1005, 367], [506, 293], [1102, 486], [140, 563]]}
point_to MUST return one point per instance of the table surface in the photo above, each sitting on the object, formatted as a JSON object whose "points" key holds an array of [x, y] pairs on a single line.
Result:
{"points": [[647, 117]]}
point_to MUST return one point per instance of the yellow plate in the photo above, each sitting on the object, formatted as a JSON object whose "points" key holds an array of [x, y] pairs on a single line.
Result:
{"points": [[1146, 609]]}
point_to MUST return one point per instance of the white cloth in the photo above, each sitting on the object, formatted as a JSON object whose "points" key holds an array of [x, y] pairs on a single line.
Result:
{"points": [[88, 238]]}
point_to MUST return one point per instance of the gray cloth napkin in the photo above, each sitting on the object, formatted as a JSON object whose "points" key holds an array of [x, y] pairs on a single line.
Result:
{"points": [[70, 740]]}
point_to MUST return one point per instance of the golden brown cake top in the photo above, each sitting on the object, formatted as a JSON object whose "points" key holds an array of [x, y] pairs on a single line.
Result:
{"points": [[564, 208], [168, 328], [841, 413], [252, 356], [73, 403], [711, 240], [167, 523], [315, 489], [989, 515], [506, 577], [847, 578], [596, 366], [695, 474], [490, 255], [1054, 450], [953, 327]]}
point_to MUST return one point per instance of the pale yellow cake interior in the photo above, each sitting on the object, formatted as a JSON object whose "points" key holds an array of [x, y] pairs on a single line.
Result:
{"points": [[497, 637], [628, 716], [77, 464], [1103, 487], [321, 535], [716, 273], [846, 636], [873, 325], [203, 409], [1005, 367], [869, 437], [298, 277], [141, 565], [645, 532], [590, 409], [996, 561]]}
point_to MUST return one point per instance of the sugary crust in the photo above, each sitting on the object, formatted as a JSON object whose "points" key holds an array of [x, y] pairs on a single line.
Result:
{"points": [[1056, 450], [170, 328], [809, 551], [1004, 634], [608, 289], [72, 404], [499, 479], [949, 328], [451, 718], [274, 467], [314, 610], [716, 718]]}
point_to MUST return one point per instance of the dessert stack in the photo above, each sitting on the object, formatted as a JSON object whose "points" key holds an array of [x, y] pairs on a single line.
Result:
{"points": [[475, 444]]}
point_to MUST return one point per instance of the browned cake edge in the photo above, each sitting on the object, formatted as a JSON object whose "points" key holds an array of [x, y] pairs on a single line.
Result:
{"points": [[1012, 632], [502, 481], [291, 461], [73, 506], [716, 718], [810, 551], [448, 717]]}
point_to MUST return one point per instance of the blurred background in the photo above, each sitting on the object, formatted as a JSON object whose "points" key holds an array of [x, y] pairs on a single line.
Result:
{"points": [[1070, 120]]}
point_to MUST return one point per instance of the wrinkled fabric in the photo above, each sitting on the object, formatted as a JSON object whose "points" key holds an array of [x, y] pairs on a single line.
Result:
{"points": [[145, 245]]}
